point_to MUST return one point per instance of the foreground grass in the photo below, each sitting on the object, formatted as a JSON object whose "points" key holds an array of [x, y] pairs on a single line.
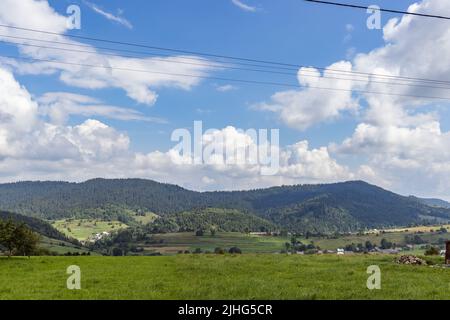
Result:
{"points": [[220, 277]]}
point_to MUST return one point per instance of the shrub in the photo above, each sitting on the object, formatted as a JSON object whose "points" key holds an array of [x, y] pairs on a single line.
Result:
{"points": [[117, 252], [385, 244], [235, 250], [432, 251], [219, 251]]}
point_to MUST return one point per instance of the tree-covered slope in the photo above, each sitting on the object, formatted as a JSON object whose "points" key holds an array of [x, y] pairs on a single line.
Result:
{"points": [[51, 200], [37, 225], [207, 219], [323, 208], [333, 207]]}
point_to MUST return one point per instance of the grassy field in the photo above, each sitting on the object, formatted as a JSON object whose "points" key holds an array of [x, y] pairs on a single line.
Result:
{"points": [[220, 277], [146, 218], [174, 242], [395, 237], [82, 229], [62, 247], [419, 228], [171, 243]]}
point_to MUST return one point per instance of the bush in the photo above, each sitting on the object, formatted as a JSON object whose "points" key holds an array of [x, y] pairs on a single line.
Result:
{"points": [[432, 251], [235, 250], [199, 233], [414, 239], [43, 252], [385, 244], [219, 251], [117, 252]]}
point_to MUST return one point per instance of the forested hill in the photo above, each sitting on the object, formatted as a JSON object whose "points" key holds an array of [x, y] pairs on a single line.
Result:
{"points": [[51, 200], [37, 225], [324, 207]]}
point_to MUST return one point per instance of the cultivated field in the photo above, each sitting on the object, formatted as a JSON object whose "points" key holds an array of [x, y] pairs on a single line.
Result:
{"points": [[221, 277], [419, 228], [171, 243]]}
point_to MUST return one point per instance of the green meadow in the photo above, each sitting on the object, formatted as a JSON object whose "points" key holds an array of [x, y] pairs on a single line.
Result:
{"points": [[59, 247], [172, 243], [250, 276], [82, 229]]}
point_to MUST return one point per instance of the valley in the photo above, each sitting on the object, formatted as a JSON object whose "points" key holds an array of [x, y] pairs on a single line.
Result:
{"points": [[144, 217], [138, 239]]}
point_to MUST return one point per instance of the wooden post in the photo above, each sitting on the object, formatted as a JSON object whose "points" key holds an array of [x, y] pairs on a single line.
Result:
{"points": [[447, 252]]}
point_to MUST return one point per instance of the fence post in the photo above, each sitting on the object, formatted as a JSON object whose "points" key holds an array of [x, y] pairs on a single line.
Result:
{"points": [[447, 252]]}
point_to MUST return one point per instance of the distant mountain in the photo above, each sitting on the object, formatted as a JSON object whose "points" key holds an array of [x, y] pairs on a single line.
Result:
{"points": [[434, 202], [346, 206]]}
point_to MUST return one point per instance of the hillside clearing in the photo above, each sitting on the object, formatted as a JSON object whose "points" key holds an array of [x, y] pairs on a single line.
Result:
{"points": [[83, 229]]}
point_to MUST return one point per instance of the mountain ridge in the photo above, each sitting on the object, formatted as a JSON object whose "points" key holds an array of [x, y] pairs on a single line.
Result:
{"points": [[341, 206]]}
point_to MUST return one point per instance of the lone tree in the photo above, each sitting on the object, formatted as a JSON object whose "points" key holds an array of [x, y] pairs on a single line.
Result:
{"points": [[18, 239], [7, 229], [25, 241]]}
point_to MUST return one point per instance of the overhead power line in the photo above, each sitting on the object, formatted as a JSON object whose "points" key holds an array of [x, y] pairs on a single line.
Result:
{"points": [[305, 73], [349, 5], [263, 63], [146, 46], [229, 79]]}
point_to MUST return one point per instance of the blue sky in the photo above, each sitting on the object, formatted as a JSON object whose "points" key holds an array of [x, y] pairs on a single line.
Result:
{"points": [[86, 122], [292, 32]]}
